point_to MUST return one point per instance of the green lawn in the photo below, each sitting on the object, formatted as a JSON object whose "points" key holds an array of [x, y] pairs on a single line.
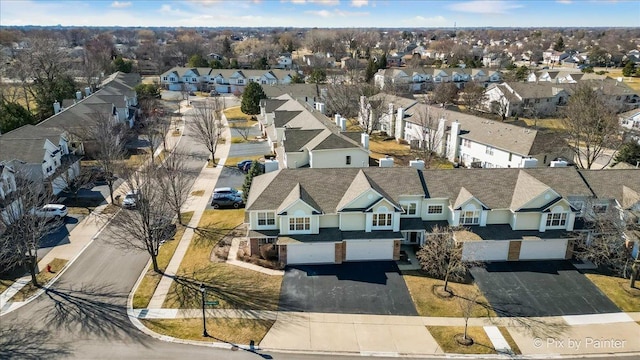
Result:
{"points": [[618, 290], [428, 303], [445, 337], [232, 286], [148, 285], [234, 331]]}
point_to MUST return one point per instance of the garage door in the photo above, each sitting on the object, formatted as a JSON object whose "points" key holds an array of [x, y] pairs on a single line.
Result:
{"points": [[543, 249], [315, 253], [486, 250], [360, 250]]}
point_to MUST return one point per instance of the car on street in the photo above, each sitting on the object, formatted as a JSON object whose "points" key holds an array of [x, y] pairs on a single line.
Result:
{"points": [[131, 199], [226, 200], [52, 211]]}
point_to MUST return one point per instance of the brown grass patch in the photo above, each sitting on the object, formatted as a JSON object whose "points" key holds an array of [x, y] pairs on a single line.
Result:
{"points": [[43, 277], [150, 281], [197, 193], [632, 82], [445, 337], [5, 284], [618, 290], [234, 331], [235, 113], [423, 292], [234, 287]]}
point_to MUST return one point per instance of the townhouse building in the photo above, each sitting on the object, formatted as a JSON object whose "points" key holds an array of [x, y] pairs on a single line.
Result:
{"points": [[420, 79], [369, 213], [224, 81]]}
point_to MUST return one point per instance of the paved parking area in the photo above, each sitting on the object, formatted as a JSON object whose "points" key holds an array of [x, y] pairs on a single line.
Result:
{"points": [[349, 288], [540, 288]]}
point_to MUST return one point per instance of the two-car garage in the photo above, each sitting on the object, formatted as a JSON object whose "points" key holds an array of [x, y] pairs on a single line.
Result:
{"points": [[336, 252]]}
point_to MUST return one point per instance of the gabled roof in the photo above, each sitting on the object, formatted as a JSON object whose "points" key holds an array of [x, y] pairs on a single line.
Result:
{"points": [[527, 188], [332, 141], [282, 118], [463, 196], [296, 139], [270, 105], [620, 184], [358, 186], [297, 193], [26, 143]]}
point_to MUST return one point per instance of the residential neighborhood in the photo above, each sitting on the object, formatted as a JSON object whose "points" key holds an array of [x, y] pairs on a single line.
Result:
{"points": [[181, 186]]}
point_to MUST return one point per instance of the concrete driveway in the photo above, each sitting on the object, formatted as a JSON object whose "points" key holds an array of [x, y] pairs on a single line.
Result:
{"points": [[60, 236], [349, 288], [540, 288]]}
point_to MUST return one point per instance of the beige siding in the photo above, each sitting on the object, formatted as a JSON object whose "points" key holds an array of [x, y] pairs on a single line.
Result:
{"points": [[542, 200], [329, 221], [349, 222], [527, 221], [498, 217], [337, 158], [383, 204], [364, 200], [432, 217], [297, 159]]}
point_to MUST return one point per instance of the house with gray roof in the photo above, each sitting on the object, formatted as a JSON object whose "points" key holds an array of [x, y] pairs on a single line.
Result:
{"points": [[420, 79], [525, 98], [224, 81], [368, 214], [302, 136], [43, 152], [466, 139]]}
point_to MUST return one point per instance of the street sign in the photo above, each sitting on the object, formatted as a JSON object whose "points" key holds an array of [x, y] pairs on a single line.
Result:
{"points": [[212, 303]]}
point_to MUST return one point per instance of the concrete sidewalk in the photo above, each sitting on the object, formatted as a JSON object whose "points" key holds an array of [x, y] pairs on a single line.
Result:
{"points": [[206, 181]]}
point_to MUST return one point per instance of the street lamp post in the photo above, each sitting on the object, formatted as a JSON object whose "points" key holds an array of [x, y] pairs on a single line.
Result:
{"points": [[203, 292]]}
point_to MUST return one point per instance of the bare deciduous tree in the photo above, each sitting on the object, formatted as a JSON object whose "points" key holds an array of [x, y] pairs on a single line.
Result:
{"points": [[25, 226], [445, 93], [500, 107], [591, 126], [467, 303], [146, 227], [175, 180], [205, 124], [430, 136], [441, 256], [473, 95]]}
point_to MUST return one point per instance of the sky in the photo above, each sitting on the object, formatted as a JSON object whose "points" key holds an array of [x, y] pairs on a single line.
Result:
{"points": [[323, 13]]}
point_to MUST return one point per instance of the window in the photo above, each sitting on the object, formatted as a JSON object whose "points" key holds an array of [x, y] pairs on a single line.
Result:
{"points": [[470, 217], [264, 241], [240, 82], [600, 208], [266, 218], [382, 219], [556, 219], [348, 160], [510, 156], [489, 150], [164, 78], [410, 208], [466, 143], [299, 224], [434, 209]]}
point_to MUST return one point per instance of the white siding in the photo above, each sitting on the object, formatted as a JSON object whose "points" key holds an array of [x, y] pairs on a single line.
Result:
{"points": [[311, 253], [337, 158]]}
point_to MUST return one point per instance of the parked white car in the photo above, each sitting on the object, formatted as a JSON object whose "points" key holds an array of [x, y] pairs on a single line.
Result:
{"points": [[53, 211], [131, 199]]}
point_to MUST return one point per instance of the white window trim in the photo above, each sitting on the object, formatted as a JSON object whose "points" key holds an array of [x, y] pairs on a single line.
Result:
{"points": [[295, 222], [434, 206], [382, 227], [562, 220], [405, 206], [268, 215], [475, 217]]}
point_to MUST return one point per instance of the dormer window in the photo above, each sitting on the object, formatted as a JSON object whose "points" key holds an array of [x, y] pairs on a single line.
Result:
{"points": [[300, 223], [410, 208], [381, 220], [470, 217]]}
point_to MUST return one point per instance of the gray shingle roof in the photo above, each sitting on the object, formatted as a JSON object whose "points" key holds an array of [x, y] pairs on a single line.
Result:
{"points": [[611, 184], [282, 118], [26, 143], [297, 138]]}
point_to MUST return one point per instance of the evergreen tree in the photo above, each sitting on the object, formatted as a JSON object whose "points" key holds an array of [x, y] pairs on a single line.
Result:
{"points": [[226, 47], [251, 97], [371, 70], [629, 69], [297, 79], [216, 64], [233, 64], [318, 76], [255, 170], [13, 116], [196, 60], [122, 65], [629, 152], [559, 45], [382, 61]]}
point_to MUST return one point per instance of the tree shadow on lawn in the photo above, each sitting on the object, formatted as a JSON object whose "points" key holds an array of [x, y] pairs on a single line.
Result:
{"points": [[22, 341], [99, 311]]}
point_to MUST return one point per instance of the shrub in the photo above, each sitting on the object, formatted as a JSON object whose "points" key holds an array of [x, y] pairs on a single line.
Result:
{"points": [[269, 252]]}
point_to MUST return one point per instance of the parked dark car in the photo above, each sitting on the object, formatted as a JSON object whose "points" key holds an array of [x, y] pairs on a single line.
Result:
{"points": [[244, 164], [226, 200]]}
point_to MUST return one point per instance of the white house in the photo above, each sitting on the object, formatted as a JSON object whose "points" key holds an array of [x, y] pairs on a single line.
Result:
{"points": [[631, 120], [420, 79], [504, 214], [44, 152], [302, 136], [225, 81]]}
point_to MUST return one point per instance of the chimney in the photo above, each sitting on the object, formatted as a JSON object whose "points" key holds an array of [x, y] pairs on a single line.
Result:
{"points": [[343, 124], [440, 139], [270, 165], [87, 91], [386, 161], [529, 163], [322, 107], [399, 124], [452, 150], [56, 107], [79, 95], [364, 140], [336, 118]]}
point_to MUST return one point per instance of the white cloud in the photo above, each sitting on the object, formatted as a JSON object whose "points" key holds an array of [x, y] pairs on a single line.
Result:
{"points": [[566, 2], [336, 13], [484, 6], [359, 3], [120, 5], [421, 21], [319, 2]]}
